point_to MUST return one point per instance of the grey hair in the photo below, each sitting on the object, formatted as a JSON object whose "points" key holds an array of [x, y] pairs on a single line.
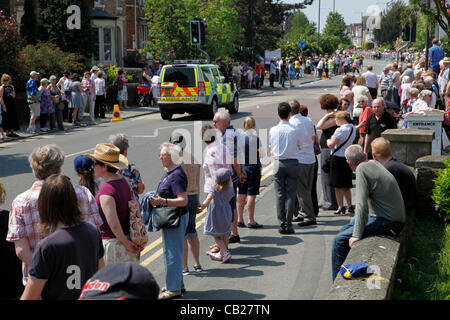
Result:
{"points": [[355, 154], [364, 97], [120, 140], [406, 79], [382, 101], [174, 151], [429, 79], [224, 115], [425, 93], [46, 160]]}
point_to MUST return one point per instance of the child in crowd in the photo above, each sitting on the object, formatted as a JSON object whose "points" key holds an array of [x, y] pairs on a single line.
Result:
{"points": [[219, 214], [84, 168]]}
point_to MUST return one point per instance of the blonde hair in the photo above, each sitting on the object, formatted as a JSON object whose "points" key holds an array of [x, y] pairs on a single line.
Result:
{"points": [[249, 123], [5, 75], [381, 147], [220, 186], [46, 160], [2, 192], [343, 115], [360, 81]]}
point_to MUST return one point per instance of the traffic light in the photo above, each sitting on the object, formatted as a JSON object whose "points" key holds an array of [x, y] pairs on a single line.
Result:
{"points": [[409, 33], [202, 33], [195, 32]]}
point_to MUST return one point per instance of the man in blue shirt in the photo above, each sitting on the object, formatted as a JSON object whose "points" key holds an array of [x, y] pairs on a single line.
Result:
{"points": [[33, 99], [435, 54]]}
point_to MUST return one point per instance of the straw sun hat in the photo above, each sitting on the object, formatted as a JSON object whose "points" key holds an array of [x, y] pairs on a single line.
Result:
{"points": [[110, 155]]}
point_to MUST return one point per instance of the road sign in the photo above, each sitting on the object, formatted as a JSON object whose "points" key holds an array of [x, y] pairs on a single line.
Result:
{"points": [[302, 44]]}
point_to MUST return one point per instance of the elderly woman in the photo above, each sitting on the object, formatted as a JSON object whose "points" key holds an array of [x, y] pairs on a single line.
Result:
{"points": [[404, 93], [47, 108], [131, 173], [340, 172], [88, 94], [58, 104], [327, 124], [423, 102], [172, 192], [112, 201]]}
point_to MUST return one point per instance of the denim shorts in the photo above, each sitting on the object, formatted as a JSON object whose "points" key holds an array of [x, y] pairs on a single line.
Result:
{"points": [[191, 231]]}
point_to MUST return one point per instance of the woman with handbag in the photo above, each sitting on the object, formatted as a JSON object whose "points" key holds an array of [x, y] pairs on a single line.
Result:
{"points": [[172, 193], [112, 201], [58, 104], [340, 172], [327, 124]]}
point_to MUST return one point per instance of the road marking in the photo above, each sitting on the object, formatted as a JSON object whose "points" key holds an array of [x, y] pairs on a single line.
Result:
{"points": [[158, 241], [80, 152]]}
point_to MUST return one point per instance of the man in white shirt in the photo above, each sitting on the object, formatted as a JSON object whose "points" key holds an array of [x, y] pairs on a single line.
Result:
{"points": [[306, 162], [272, 73], [371, 81], [285, 145]]}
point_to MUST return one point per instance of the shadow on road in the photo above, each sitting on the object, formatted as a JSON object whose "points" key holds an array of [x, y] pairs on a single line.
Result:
{"points": [[224, 294], [13, 164]]}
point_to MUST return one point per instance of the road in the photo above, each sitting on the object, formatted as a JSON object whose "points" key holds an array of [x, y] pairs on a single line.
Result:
{"points": [[265, 265]]}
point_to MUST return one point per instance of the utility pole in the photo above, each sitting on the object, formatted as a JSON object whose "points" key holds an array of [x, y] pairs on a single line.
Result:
{"points": [[318, 28], [427, 43]]}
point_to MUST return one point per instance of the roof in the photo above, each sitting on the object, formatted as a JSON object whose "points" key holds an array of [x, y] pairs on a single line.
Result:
{"points": [[99, 14]]}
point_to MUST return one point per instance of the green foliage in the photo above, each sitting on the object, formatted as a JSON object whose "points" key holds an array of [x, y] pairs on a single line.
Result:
{"points": [[437, 12], [11, 44], [300, 29], [335, 33], [169, 27], [441, 192], [391, 23], [425, 275], [111, 74], [53, 16], [48, 59]]}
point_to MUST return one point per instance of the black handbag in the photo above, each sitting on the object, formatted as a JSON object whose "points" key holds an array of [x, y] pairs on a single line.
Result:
{"points": [[326, 167], [166, 217]]}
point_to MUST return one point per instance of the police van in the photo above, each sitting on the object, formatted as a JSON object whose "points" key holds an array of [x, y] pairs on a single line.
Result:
{"points": [[193, 87]]}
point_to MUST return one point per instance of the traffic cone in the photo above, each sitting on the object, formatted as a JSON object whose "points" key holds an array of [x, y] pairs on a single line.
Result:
{"points": [[116, 114], [324, 76]]}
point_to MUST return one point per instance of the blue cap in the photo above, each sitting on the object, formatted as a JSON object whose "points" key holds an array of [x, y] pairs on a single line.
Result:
{"points": [[223, 174], [82, 163]]}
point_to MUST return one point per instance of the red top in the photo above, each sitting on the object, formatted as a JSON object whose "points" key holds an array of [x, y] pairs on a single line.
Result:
{"points": [[364, 116]]}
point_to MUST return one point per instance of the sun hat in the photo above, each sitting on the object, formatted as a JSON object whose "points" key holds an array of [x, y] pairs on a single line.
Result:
{"points": [[223, 175], [121, 281], [110, 155], [82, 163], [446, 60]]}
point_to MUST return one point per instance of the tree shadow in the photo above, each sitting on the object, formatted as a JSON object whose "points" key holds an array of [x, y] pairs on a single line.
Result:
{"points": [[13, 164]]}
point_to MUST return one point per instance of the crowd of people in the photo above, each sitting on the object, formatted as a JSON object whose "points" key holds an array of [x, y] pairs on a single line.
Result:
{"points": [[60, 228]]}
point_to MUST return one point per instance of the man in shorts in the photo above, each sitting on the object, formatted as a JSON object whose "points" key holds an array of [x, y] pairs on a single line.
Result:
{"points": [[34, 100]]}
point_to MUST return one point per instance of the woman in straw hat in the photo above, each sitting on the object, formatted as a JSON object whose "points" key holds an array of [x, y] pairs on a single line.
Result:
{"points": [[112, 200]]}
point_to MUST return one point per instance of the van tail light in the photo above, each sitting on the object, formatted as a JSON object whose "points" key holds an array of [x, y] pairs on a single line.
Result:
{"points": [[201, 89]]}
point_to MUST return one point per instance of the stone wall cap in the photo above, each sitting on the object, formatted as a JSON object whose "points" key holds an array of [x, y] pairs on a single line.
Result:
{"points": [[428, 114], [408, 135], [436, 162]]}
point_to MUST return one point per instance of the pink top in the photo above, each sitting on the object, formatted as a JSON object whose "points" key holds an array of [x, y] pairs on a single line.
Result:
{"points": [[217, 156], [90, 85]]}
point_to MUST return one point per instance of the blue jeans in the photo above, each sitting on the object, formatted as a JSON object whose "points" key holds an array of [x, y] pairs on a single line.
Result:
{"points": [[173, 254], [375, 226]]}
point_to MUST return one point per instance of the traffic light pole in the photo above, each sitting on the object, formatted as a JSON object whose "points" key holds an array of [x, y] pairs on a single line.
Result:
{"points": [[204, 52]]}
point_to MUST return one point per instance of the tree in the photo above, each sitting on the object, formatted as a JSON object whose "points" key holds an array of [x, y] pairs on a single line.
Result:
{"points": [[391, 23], [300, 28], [262, 21], [334, 34], [30, 27], [169, 27], [54, 26]]}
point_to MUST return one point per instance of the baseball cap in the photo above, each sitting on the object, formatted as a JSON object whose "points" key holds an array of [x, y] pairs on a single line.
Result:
{"points": [[223, 175], [34, 73], [121, 281], [82, 163], [95, 68]]}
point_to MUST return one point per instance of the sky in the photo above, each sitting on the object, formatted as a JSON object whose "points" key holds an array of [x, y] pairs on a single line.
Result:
{"points": [[350, 9]]}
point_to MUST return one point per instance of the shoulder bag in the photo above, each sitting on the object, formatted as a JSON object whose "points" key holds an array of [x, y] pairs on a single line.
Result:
{"points": [[166, 217], [326, 167], [138, 231]]}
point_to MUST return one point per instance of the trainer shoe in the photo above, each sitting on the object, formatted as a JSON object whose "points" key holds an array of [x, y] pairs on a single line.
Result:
{"points": [[226, 257], [198, 268], [185, 272]]}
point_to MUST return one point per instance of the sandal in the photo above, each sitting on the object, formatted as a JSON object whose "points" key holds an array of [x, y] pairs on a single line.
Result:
{"points": [[183, 289], [167, 295]]}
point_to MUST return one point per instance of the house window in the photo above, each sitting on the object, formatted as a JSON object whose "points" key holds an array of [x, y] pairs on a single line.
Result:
{"points": [[107, 44]]}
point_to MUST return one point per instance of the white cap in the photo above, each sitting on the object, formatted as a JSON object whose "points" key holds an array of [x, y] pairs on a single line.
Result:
{"points": [[34, 73]]}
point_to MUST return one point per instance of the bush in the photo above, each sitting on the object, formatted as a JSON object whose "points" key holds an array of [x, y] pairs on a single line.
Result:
{"points": [[111, 73], [47, 59], [441, 192]]}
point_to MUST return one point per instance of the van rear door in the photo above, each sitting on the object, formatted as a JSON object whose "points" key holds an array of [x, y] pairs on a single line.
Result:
{"points": [[179, 83]]}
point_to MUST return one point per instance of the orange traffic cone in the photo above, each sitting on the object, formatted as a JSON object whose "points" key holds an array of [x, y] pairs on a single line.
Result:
{"points": [[324, 76], [116, 114]]}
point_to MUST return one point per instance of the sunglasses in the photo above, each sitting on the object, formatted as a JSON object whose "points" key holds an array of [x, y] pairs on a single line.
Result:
{"points": [[98, 163], [5, 79]]}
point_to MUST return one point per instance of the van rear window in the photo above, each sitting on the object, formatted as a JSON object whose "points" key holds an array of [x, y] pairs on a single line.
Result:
{"points": [[183, 76]]}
